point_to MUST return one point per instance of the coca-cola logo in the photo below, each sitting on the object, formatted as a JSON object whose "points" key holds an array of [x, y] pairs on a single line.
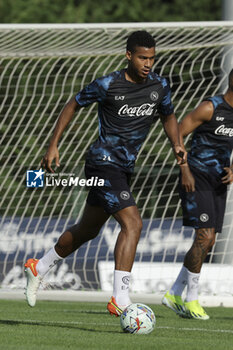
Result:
{"points": [[224, 131], [146, 109]]}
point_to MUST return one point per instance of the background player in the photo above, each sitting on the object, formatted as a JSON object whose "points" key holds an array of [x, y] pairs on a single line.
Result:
{"points": [[203, 191], [128, 100]]}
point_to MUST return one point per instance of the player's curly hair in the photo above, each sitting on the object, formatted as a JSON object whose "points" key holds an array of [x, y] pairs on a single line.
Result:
{"points": [[140, 38], [230, 80]]}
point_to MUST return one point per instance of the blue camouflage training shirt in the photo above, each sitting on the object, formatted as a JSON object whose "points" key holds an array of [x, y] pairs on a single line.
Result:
{"points": [[126, 112]]}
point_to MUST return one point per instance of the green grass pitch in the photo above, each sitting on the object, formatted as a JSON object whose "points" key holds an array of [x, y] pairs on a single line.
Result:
{"points": [[84, 326]]}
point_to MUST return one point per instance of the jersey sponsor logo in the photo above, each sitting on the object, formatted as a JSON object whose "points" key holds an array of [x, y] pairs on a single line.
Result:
{"points": [[146, 109], [119, 98], [154, 96], [204, 217], [218, 118], [224, 131]]}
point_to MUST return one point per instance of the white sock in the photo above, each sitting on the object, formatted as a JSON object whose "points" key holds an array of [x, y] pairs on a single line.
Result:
{"points": [[50, 259], [180, 282], [192, 286], [121, 287]]}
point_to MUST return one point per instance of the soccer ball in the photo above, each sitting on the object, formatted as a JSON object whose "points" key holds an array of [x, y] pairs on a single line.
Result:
{"points": [[138, 319]]}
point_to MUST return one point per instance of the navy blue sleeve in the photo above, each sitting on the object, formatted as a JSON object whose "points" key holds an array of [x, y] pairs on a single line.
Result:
{"points": [[94, 92], [90, 94], [216, 100], [166, 106]]}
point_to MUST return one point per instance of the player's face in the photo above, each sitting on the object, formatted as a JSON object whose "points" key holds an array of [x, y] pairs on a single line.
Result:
{"points": [[141, 61]]}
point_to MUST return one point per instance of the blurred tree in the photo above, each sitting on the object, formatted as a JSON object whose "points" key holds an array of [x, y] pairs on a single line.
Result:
{"points": [[89, 11]]}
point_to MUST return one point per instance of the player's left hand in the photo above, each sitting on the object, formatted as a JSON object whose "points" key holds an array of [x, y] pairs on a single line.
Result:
{"points": [[181, 154], [228, 178]]}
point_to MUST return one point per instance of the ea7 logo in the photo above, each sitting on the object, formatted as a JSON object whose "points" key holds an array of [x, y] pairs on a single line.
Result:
{"points": [[220, 118], [119, 98]]}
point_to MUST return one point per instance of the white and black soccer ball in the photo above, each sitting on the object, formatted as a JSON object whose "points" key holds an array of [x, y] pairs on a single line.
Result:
{"points": [[138, 319]]}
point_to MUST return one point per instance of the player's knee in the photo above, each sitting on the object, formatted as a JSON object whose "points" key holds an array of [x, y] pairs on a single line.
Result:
{"points": [[136, 224], [134, 227], [87, 231], [212, 237]]}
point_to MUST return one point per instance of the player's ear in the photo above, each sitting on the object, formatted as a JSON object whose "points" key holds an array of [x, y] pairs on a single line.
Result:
{"points": [[128, 55]]}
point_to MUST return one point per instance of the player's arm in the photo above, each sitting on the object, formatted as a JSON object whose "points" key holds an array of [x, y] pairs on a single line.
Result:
{"points": [[191, 121], [64, 119], [171, 129]]}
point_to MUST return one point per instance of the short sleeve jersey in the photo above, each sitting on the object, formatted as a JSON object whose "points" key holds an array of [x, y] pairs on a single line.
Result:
{"points": [[126, 111], [212, 141]]}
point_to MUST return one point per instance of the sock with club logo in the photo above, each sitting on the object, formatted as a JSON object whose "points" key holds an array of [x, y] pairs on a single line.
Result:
{"points": [[50, 259], [192, 286], [121, 287], [180, 283]]}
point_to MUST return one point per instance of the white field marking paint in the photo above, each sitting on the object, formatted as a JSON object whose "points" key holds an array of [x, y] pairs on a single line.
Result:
{"points": [[198, 329], [117, 325]]}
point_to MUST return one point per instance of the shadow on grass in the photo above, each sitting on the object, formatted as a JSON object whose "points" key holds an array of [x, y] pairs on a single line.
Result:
{"points": [[225, 318], [87, 312], [57, 325]]}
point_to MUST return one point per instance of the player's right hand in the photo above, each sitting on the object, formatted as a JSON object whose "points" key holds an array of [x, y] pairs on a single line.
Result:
{"points": [[180, 154], [51, 154]]}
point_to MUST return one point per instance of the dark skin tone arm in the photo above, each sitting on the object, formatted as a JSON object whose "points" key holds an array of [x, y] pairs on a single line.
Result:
{"points": [[64, 119], [203, 113], [171, 129]]}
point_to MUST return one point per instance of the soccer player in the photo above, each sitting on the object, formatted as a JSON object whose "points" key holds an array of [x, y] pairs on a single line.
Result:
{"points": [[203, 190], [129, 101]]}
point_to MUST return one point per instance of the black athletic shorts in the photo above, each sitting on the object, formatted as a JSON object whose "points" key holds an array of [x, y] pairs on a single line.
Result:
{"points": [[115, 194], [205, 207]]}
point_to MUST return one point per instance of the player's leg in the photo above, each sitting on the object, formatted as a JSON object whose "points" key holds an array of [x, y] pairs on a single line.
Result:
{"points": [[203, 242], [124, 254], [131, 225], [198, 211], [88, 228], [116, 198], [190, 274], [210, 200]]}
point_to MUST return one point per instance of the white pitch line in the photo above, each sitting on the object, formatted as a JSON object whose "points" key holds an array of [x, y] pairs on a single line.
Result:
{"points": [[114, 324], [197, 329]]}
